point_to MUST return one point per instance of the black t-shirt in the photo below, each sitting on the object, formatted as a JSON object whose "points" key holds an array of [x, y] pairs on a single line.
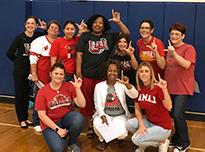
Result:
{"points": [[18, 51], [96, 50], [125, 62]]}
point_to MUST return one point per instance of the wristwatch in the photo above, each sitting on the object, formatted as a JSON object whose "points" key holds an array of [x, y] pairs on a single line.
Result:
{"points": [[56, 129]]}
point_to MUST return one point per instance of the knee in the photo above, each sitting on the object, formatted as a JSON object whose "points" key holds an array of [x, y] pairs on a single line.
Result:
{"points": [[78, 120], [136, 140], [130, 127]]}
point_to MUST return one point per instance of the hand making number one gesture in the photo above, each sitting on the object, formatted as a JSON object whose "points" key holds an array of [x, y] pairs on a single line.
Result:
{"points": [[170, 48], [124, 79]]}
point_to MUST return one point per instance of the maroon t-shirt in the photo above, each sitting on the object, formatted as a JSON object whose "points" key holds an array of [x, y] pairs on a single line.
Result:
{"points": [[150, 100], [56, 103]]}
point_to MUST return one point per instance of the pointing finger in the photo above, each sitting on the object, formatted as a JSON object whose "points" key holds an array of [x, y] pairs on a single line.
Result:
{"points": [[122, 74], [169, 42], [159, 77], [154, 41]]}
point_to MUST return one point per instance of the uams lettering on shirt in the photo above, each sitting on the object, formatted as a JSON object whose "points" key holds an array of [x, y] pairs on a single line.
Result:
{"points": [[97, 47], [59, 101], [147, 98]]}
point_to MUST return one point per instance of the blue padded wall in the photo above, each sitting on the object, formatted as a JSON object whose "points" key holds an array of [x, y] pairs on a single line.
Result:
{"points": [[162, 14], [47, 10], [12, 23], [139, 11]]}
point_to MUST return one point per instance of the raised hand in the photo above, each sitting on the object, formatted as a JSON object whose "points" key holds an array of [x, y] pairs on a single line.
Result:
{"points": [[171, 49], [153, 46], [82, 27], [115, 16], [130, 50], [77, 82], [124, 79], [42, 25], [162, 83]]}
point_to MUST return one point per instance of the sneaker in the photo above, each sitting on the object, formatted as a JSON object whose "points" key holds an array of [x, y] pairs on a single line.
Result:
{"points": [[74, 148], [163, 147], [181, 149], [37, 129], [141, 149]]}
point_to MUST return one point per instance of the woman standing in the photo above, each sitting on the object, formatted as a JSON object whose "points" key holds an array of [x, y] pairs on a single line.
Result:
{"points": [[154, 99], [151, 49], [61, 125], [93, 50], [63, 49], [18, 52], [40, 61], [179, 74]]}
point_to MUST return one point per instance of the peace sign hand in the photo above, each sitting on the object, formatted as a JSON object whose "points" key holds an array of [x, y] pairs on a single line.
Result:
{"points": [[115, 16], [130, 50], [77, 82], [161, 83]]}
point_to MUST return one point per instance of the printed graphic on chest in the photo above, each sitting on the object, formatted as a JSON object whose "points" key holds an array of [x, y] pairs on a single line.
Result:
{"points": [[97, 47]]}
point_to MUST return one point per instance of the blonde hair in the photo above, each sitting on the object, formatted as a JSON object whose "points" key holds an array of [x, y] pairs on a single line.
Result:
{"points": [[139, 81]]}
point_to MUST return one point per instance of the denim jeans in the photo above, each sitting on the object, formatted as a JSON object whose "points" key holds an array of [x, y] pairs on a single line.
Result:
{"points": [[36, 119], [74, 123], [152, 137], [181, 136]]}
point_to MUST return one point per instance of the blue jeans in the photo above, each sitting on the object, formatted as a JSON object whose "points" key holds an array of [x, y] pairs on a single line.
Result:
{"points": [[181, 136], [74, 123], [36, 119], [152, 137]]}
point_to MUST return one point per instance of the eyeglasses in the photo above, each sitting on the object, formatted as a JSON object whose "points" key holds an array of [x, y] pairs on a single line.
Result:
{"points": [[175, 34], [146, 28]]}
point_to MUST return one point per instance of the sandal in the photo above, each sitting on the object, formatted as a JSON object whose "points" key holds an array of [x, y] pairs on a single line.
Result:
{"points": [[100, 146], [29, 123], [90, 133], [23, 125]]}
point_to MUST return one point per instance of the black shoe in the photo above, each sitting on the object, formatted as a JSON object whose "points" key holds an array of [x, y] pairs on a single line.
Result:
{"points": [[23, 125], [29, 123], [90, 133], [181, 148]]}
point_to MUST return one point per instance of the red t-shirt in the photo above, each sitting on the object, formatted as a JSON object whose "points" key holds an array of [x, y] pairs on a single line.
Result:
{"points": [[147, 55], [56, 103], [180, 80], [65, 51], [150, 100]]}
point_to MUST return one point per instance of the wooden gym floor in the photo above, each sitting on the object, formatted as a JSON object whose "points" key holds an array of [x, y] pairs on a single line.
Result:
{"points": [[15, 139]]}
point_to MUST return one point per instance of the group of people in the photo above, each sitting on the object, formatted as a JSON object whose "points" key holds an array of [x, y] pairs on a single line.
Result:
{"points": [[105, 67]]}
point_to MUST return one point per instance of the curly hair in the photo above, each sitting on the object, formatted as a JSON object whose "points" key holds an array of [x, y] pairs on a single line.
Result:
{"points": [[92, 19]]}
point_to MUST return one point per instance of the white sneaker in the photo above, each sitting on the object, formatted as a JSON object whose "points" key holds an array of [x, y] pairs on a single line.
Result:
{"points": [[141, 149], [181, 149], [37, 129], [163, 147]]}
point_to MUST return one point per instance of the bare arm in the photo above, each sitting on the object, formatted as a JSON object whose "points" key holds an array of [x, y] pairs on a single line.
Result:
{"points": [[48, 122], [80, 99], [138, 113], [34, 72], [53, 60], [79, 57], [180, 60], [116, 19]]}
